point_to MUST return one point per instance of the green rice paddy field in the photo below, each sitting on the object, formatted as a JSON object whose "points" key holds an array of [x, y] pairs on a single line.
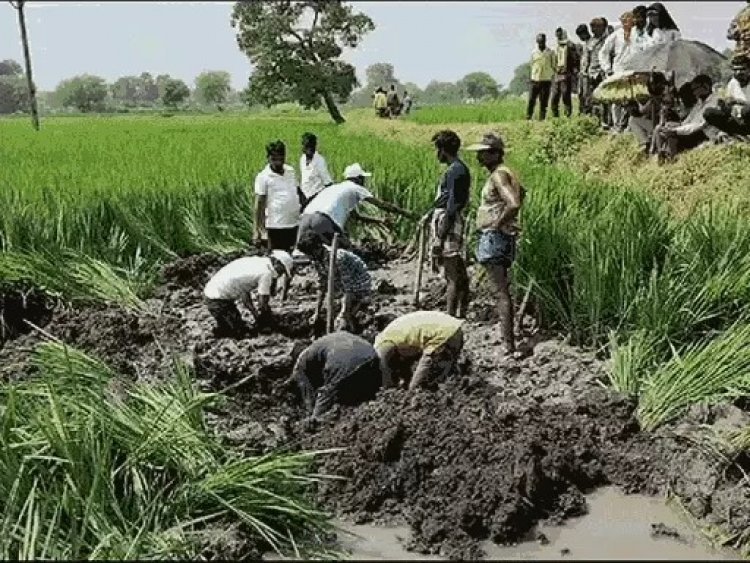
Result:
{"points": [[91, 206]]}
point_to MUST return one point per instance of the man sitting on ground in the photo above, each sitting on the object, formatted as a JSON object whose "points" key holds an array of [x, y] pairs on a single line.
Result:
{"points": [[235, 281], [337, 368], [693, 131], [350, 278], [732, 117], [329, 212], [433, 337]]}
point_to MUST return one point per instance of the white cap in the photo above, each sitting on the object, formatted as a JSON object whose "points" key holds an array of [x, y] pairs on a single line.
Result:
{"points": [[355, 171], [285, 259]]}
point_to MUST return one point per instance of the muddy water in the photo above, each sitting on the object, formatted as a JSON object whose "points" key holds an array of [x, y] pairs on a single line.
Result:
{"points": [[617, 526]]}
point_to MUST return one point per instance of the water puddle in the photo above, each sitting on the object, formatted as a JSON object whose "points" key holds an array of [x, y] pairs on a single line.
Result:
{"points": [[617, 526]]}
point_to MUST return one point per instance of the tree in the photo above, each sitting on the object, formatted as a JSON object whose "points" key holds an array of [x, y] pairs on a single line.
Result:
{"points": [[175, 92], [441, 93], [10, 67], [14, 95], [295, 49], [18, 5], [478, 85], [213, 87], [148, 91], [85, 92], [380, 74], [125, 90], [520, 83]]}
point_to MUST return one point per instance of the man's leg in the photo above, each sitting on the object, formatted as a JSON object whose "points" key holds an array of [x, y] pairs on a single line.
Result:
{"points": [[499, 278], [544, 91], [227, 316], [641, 129], [567, 95], [723, 121], [533, 95], [556, 94], [457, 279]]}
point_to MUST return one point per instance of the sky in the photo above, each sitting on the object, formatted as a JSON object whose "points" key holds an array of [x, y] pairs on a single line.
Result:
{"points": [[424, 41]]}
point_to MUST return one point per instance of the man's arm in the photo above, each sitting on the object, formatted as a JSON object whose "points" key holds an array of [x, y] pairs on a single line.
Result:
{"points": [[306, 389], [260, 217], [324, 174], [502, 183], [247, 301], [386, 206], [451, 207], [325, 399], [605, 54], [366, 218]]}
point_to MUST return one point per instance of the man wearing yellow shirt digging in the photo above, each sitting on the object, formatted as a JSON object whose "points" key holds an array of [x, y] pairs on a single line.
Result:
{"points": [[433, 337]]}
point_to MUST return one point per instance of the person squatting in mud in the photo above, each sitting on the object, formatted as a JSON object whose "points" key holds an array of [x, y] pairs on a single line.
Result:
{"points": [[447, 222], [337, 368], [329, 212], [351, 278], [432, 337], [497, 223], [236, 281]]}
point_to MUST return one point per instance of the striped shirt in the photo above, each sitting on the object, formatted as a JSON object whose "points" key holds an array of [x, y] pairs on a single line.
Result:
{"points": [[352, 276], [591, 66]]}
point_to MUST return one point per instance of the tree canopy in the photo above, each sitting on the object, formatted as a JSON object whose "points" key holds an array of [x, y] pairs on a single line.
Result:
{"points": [[212, 87], [84, 92], [478, 85], [9, 67], [520, 83], [13, 92], [175, 92], [294, 47]]}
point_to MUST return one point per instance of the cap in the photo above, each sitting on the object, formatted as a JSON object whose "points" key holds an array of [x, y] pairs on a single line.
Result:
{"points": [[285, 259], [355, 171], [489, 141]]}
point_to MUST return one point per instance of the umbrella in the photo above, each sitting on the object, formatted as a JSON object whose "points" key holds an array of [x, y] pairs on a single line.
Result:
{"points": [[623, 86], [682, 58]]}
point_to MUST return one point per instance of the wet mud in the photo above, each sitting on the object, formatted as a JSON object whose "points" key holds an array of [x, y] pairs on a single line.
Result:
{"points": [[500, 447]]}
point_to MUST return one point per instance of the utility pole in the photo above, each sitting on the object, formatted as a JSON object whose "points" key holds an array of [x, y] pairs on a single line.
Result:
{"points": [[18, 5]]}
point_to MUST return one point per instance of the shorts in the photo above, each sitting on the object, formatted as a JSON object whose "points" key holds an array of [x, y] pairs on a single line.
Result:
{"points": [[282, 239], [454, 241], [226, 314], [319, 223], [496, 247]]}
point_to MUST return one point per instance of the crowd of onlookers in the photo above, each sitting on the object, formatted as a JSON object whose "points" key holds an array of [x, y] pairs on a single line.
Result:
{"points": [[670, 120], [389, 105]]}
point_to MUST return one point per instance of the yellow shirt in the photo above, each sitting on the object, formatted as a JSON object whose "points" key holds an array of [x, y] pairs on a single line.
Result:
{"points": [[422, 330], [542, 65], [380, 101]]}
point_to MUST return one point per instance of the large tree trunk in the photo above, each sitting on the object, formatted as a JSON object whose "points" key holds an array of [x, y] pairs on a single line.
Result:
{"points": [[27, 57], [333, 109]]}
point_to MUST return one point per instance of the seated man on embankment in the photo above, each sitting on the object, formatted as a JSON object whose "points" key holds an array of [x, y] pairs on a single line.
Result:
{"points": [[236, 281], [433, 337], [337, 368], [329, 212], [350, 278], [732, 117]]}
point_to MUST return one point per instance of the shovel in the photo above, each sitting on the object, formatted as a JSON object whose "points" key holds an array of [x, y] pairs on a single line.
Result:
{"points": [[420, 264], [331, 272]]}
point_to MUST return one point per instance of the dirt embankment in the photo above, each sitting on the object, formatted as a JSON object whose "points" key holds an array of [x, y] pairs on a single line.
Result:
{"points": [[501, 446]]}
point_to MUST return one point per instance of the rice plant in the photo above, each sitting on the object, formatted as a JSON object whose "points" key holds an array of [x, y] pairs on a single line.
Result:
{"points": [[93, 466]]}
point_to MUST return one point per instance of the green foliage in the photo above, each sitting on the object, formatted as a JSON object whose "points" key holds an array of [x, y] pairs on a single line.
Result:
{"points": [[441, 93], [93, 466], [14, 95], [213, 87], [519, 85], [479, 85], [295, 47], [9, 67], [175, 92], [506, 110], [85, 92]]}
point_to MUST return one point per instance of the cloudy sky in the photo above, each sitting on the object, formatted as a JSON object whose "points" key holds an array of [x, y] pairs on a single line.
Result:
{"points": [[423, 40]]}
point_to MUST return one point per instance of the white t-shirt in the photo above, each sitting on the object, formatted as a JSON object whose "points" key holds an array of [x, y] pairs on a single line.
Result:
{"points": [[315, 175], [338, 201], [282, 207], [241, 276]]}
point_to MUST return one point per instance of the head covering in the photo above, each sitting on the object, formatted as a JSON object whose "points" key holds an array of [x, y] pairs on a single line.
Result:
{"points": [[286, 260], [582, 28], [355, 171], [665, 19], [490, 141]]}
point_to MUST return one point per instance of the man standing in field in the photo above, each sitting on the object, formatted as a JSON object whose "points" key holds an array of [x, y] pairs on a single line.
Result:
{"points": [[380, 102], [329, 212], [313, 169], [593, 73], [432, 337], [407, 103], [542, 72], [394, 105], [582, 32], [497, 223], [566, 67], [236, 281], [276, 201], [447, 221]]}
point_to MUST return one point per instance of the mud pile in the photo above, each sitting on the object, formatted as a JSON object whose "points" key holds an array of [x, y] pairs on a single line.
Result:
{"points": [[501, 446]]}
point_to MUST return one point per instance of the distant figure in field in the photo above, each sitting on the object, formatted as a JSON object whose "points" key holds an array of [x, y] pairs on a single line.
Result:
{"points": [[566, 67], [236, 281], [592, 73], [582, 32], [277, 206], [380, 103], [407, 103], [542, 72], [337, 368], [447, 221], [313, 170], [497, 223], [394, 105], [432, 337]]}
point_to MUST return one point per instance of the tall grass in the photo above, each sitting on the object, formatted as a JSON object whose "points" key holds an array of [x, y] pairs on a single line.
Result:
{"points": [[507, 109], [92, 466]]}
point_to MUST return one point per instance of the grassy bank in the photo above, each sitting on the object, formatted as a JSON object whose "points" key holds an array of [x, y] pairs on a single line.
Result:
{"points": [[93, 466]]}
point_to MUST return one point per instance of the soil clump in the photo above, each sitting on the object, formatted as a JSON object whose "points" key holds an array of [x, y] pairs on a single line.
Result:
{"points": [[487, 454]]}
